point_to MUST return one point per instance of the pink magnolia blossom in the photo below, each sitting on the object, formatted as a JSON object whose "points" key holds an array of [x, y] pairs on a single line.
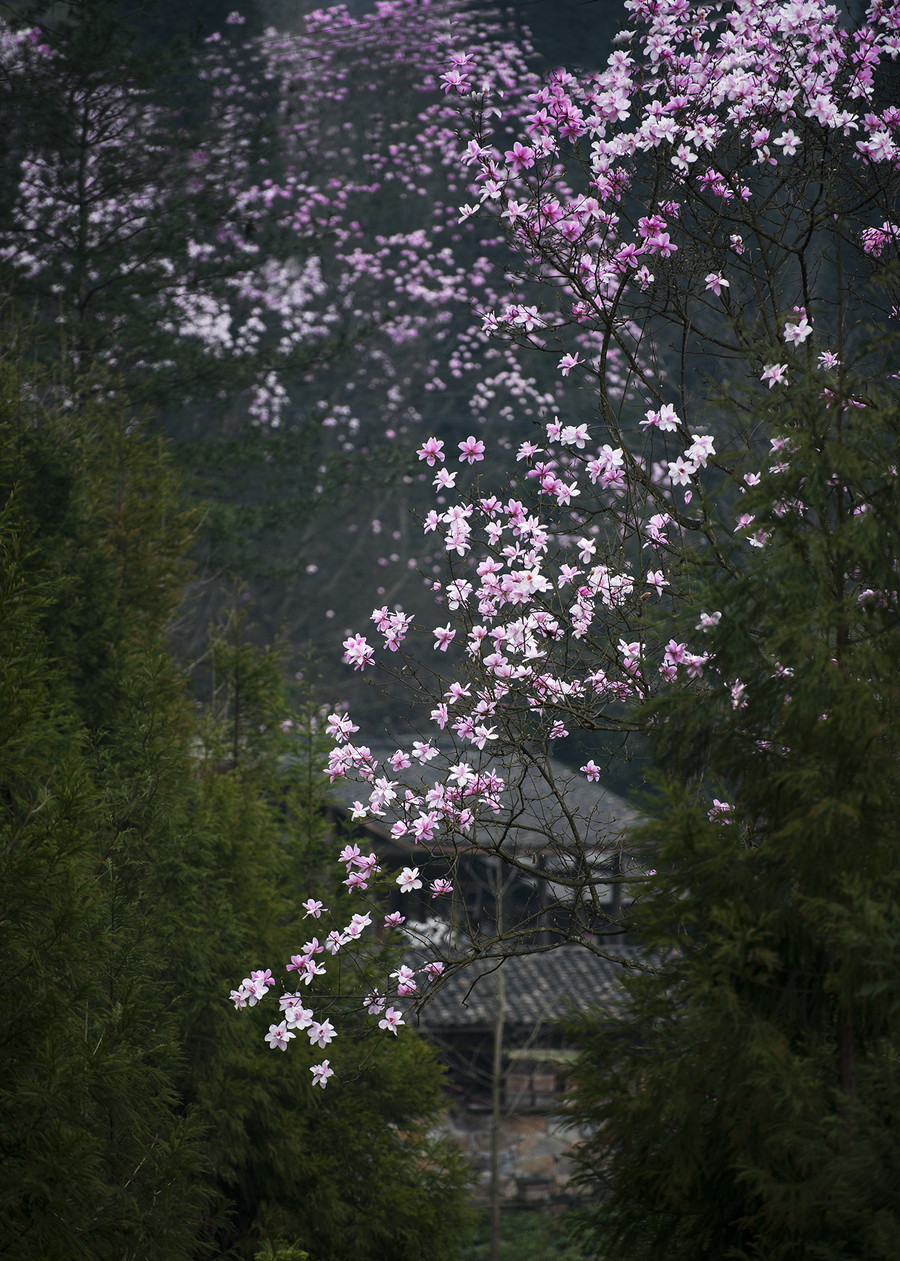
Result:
{"points": [[631, 654], [695, 663], [340, 726], [789, 142], [279, 1036], [405, 978], [568, 362], [666, 419], [797, 333], [358, 652], [716, 283], [738, 698], [409, 879], [675, 653], [520, 157], [701, 448], [295, 1014], [321, 1073], [455, 81], [681, 471], [472, 450], [574, 436], [774, 374], [320, 1033], [391, 1021]]}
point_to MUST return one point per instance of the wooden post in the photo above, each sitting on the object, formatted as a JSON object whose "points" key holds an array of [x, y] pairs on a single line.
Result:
{"points": [[497, 1081]]}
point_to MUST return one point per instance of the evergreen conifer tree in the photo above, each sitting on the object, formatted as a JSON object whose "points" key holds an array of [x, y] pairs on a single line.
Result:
{"points": [[150, 852], [745, 1097], [97, 1158]]}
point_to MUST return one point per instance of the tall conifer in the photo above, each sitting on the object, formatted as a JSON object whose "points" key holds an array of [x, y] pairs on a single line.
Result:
{"points": [[150, 852], [97, 1158], [746, 1096]]}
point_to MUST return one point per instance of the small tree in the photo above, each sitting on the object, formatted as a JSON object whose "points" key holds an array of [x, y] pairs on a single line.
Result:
{"points": [[710, 205]]}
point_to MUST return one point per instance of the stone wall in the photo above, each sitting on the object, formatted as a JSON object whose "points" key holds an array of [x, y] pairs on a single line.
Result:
{"points": [[535, 1153]]}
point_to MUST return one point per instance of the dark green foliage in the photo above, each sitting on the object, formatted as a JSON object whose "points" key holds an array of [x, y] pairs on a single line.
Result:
{"points": [[747, 1095], [151, 854], [529, 1235], [96, 1154], [281, 1252], [100, 505]]}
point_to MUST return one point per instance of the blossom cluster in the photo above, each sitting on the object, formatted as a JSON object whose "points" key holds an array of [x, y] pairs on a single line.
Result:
{"points": [[702, 112], [297, 1018], [289, 265]]}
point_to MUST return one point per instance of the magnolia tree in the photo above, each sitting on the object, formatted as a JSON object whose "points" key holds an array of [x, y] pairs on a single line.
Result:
{"points": [[716, 211], [268, 217], [263, 238]]}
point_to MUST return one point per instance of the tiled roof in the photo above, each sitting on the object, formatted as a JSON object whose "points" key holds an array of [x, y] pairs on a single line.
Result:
{"points": [[539, 987]]}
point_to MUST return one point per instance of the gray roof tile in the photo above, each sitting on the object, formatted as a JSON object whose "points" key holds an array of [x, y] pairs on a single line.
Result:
{"points": [[543, 987]]}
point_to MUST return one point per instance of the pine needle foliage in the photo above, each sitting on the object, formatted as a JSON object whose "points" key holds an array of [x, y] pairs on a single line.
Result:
{"points": [[97, 1156], [746, 1098], [154, 846]]}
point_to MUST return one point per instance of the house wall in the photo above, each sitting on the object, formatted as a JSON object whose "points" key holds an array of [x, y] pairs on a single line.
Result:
{"points": [[535, 1153]]}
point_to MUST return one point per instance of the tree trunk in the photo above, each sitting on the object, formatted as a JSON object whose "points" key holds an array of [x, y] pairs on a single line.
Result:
{"points": [[846, 1058]]}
